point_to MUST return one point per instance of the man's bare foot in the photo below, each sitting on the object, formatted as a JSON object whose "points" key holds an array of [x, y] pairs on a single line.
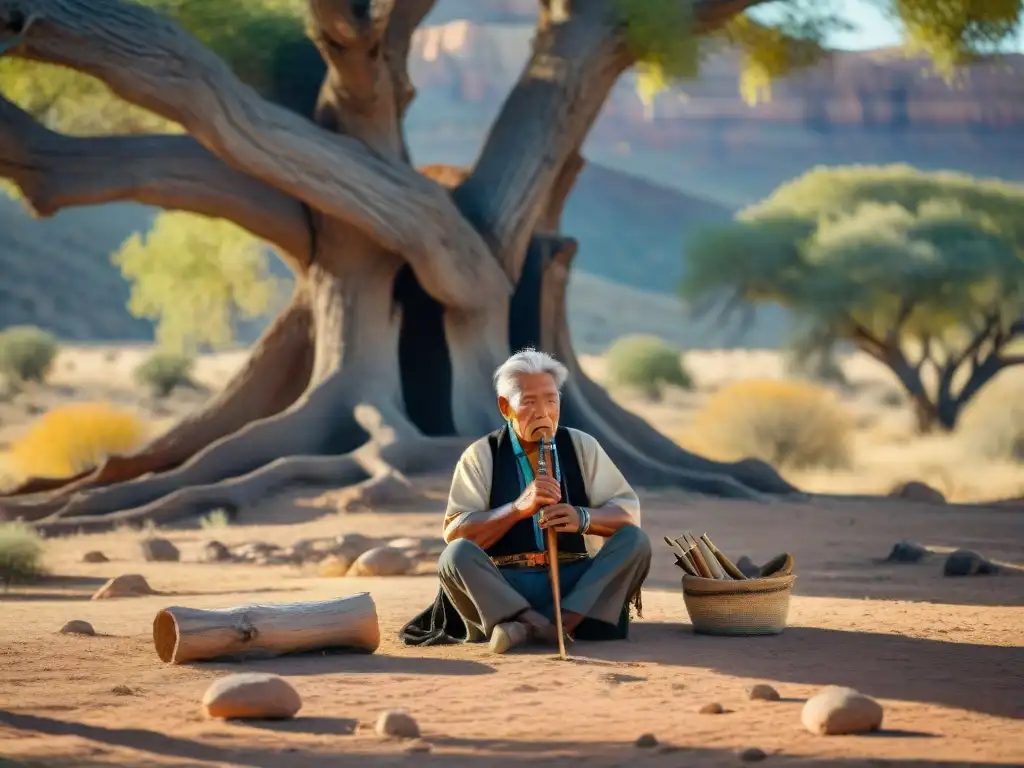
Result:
{"points": [[528, 627]]}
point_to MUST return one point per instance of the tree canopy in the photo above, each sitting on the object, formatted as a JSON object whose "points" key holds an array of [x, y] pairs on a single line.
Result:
{"points": [[904, 263], [197, 277]]}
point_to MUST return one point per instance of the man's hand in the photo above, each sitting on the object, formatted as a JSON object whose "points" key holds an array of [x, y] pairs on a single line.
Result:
{"points": [[542, 492], [562, 517]]}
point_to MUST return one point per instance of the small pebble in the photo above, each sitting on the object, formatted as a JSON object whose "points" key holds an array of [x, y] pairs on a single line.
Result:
{"points": [[78, 627], [907, 552], [127, 585], [122, 690], [647, 741], [253, 696], [397, 725], [964, 562], [419, 747], [95, 556], [837, 710], [752, 755], [763, 692], [159, 551], [714, 708], [214, 552]]}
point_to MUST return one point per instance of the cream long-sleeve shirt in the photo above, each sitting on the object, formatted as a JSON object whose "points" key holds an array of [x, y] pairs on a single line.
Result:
{"points": [[471, 483]]}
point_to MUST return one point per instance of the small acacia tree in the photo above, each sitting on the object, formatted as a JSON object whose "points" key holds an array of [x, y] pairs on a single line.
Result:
{"points": [[410, 287], [924, 272]]}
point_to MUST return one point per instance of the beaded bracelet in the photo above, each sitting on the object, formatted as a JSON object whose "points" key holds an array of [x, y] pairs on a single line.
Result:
{"points": [[584, 519]]}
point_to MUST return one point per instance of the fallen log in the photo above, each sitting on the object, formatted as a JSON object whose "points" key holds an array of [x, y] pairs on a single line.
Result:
{"points": [[261, 631]]}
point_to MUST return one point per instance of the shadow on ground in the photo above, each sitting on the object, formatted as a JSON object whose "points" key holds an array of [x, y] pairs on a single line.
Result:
{"points": [[982, 678], [347, 662], [360, 750]]}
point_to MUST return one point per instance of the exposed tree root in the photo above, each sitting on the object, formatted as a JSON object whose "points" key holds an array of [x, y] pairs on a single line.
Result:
{"points": [[379, 460], [273, 378]]}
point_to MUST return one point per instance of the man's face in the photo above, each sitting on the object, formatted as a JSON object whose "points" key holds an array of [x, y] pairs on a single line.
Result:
{"points": [[536, 411]]}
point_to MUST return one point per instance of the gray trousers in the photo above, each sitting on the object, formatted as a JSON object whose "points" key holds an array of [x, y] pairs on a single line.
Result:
{"points": [[597, 588]]}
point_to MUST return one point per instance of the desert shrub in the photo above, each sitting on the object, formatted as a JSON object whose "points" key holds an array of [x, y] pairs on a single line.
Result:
{"points": [[647, 363], [27, 352], [163, 372], [21, 553], [75, 438], [217, 518], [993, 425], [789, 424]]}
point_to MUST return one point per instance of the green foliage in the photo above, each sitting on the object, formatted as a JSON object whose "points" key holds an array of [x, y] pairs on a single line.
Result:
{"points": [[163, 372], [781, 37], [851, 248], [196, 277], [263, 41], [27, 353], [953, 32], [21, 553], [647, 363]]}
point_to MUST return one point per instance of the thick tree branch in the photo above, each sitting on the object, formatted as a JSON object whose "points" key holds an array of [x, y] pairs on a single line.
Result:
{"points": [[545, 118], [172, 172], [579, 53], [150, 61], [357, 96], [405, 18]]}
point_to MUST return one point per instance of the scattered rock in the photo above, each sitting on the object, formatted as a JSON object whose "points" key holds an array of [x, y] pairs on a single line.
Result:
{"points": [[78, 627], [127, 585], [335, 566], [964, 562], [714, 708], [397, 725], [646, 741], [917, 491], [353, 545], [907, 552], [419, 747], [122, 690], [381, 561], [159, 551], [837, 710], [252, 696], [763, 692], [95, 556], [253, 550], [525, 688], [214, 552], [747, 567], [389, 488], [752, 755]]}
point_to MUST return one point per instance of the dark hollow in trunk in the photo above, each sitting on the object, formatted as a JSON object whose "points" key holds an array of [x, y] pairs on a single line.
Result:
{"points": [[424, 362]]}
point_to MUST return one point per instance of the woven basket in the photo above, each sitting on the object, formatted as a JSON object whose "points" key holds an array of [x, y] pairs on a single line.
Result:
{"points": [[748, 607]]}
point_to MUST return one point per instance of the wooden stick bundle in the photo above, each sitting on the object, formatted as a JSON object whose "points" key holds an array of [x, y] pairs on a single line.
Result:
{"points": [[698, 556]]}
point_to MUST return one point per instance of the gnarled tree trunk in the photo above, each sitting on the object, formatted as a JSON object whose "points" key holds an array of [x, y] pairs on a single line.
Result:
{"points": [[411, 288]]}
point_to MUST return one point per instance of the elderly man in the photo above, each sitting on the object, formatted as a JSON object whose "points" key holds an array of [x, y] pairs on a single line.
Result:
{"points": [[495, 581]]}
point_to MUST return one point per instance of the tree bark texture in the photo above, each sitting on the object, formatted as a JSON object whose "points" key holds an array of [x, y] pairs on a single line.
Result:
{"points": [[411, 287]]}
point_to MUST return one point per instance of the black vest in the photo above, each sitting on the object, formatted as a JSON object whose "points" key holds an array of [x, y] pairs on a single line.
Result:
{"points": [[505, 489]]}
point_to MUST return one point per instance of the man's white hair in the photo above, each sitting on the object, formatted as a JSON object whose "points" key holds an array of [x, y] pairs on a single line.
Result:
{"points": [[526, 361]]}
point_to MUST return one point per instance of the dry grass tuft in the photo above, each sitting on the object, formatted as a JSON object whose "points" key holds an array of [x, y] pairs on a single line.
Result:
{"points": [[792, 425], [21, 553], [75, 438]]}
